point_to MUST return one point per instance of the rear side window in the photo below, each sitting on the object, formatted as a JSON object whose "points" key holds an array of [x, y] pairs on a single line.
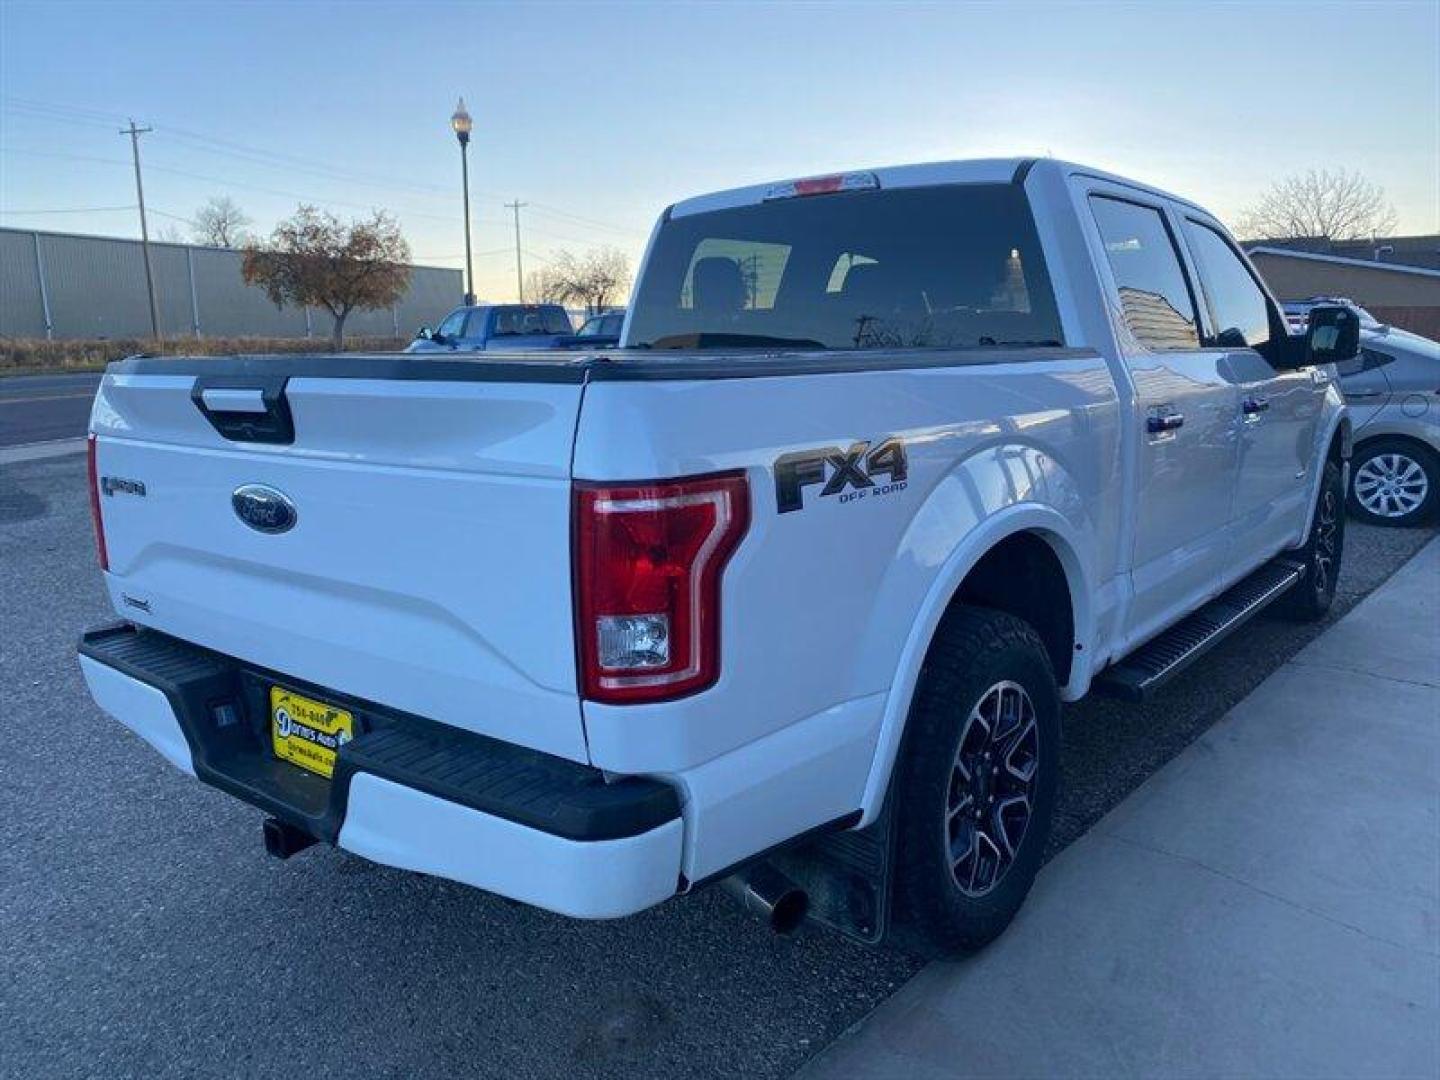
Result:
{"points": [[951, 266], [1153, 294], [1241, 314]]}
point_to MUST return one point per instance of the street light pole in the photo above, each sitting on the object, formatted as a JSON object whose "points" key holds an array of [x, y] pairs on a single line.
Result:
{"points": [[135, 133], [461, 124]]}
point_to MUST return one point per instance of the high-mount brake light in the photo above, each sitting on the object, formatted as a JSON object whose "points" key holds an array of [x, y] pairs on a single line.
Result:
{"points": [[824, 185], [100, 550], [648, 564]]}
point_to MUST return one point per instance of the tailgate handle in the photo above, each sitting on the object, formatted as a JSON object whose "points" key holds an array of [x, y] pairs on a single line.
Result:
{"points": [[248, 401], [252, 410]]}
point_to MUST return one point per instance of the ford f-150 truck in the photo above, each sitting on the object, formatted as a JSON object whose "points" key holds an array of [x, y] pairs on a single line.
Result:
{"points": [[785, 591]]}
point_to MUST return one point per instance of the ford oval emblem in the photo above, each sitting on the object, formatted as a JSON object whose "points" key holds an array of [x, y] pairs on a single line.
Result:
{"points": [[263, 508]]}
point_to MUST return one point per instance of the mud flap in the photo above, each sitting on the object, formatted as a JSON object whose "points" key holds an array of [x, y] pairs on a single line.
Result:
{"points": [[847, 876]]}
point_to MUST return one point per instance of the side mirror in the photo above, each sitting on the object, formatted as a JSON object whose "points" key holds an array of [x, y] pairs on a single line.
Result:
{"points": [[424, 334], [1333, 335]]}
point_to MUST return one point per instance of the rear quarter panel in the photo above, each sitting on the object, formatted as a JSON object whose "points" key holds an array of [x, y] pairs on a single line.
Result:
{"points": [[821, 604]]}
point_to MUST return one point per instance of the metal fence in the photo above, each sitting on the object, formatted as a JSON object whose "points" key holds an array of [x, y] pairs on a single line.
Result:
{"points": [[60, 285]]}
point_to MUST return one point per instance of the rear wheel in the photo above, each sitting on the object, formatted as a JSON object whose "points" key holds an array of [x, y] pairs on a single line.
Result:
{"points": [[1393, 482], [975, 785]]}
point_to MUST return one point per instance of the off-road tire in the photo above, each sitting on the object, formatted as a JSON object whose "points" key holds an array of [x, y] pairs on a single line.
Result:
{"points": [[974, 651], [1322, 553]]}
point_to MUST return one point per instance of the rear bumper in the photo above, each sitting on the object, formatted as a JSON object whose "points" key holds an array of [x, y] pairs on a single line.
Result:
{"points": [[407, 792]]}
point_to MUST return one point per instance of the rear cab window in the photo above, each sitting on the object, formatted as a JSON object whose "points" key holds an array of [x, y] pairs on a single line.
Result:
{"points": [[514, 320], [1154, 294], [949, 266]]}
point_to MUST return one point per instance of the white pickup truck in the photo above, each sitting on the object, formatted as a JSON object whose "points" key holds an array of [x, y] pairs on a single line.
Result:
{"points": [[786, 590]]}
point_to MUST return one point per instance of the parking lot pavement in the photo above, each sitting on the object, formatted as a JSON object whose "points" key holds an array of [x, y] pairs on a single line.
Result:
{"points": [[145, 932], [1268, 904], [36, 408]]}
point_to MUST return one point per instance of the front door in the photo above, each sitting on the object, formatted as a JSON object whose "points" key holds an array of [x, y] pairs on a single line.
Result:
{"points": [[1279, 408], [1186, 407]]}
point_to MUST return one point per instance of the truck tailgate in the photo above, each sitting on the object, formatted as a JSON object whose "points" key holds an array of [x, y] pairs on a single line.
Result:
{"points": [[428, 566]]}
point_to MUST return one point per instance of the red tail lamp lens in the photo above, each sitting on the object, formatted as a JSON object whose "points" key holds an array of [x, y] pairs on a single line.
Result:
{"points": [[649, 559]]}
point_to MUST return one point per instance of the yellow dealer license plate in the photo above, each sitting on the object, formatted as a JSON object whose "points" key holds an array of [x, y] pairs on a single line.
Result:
{"points": [[308, 733]]}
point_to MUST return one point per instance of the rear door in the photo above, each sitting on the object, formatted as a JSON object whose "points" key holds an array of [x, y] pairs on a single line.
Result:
{"points": [[428, 564], [1185, 411], [1279, 408]]}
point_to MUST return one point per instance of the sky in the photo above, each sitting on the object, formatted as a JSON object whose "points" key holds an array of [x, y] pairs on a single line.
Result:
{"points": [[599, 115]]}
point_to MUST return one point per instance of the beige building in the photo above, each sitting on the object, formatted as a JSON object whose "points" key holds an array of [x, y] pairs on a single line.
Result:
{"points": [[1406, 296]]}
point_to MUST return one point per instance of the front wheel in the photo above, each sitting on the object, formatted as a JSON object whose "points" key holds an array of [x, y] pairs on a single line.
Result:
{"points": [[975, 785], [1324, 547], [1393, 482]]}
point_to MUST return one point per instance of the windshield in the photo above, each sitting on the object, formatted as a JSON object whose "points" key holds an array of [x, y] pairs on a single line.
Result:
{"points": [[948, 266], [531, 319]]}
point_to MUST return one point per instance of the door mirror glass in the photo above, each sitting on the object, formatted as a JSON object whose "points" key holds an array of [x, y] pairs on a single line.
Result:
{"points": [[424, 334], [1333, 335]]}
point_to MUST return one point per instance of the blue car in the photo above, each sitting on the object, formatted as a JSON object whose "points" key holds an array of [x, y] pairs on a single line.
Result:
{"points": [[495, 328]]}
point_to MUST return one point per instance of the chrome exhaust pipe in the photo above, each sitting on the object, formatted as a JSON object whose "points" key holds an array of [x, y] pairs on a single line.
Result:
{"points": [[770, 896]]}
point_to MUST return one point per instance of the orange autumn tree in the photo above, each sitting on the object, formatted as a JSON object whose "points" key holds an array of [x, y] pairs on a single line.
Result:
{"points": [[316, 260]]}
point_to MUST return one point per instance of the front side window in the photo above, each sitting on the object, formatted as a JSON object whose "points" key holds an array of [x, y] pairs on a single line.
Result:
{"points": [[452, 323], [1153, 294], [949, 266], [1238, 306]]}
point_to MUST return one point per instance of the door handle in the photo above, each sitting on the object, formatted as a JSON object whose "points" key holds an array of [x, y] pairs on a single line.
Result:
{"points": [[1357, 395], [1158, 424], [1255, 406]]}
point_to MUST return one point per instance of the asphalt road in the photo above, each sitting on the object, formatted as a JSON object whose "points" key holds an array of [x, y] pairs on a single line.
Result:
{"points": [[143, 931], [40, 408]]}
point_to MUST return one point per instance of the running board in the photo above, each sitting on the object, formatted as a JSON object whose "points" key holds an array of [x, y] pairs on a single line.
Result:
{"points": [[1138, 676]]}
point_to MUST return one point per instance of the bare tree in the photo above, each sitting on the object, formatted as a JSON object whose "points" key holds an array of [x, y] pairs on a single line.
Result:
{"points": [[598, 279], [1337, 205], [221, 223], [315, 260], [545, 286]]}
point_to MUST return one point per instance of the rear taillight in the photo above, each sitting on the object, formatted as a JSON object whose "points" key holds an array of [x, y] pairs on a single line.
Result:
{"points": [[100, 551], [648, 561]]}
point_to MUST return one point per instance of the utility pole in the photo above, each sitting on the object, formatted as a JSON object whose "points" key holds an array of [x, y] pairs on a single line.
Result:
{"points": [[519, 270], [135, 133]]}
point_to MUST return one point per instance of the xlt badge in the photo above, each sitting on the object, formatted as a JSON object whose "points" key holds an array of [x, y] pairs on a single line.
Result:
{"points": [[855, 469]]}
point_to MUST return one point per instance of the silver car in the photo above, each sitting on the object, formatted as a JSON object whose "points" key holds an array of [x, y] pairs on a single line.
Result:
{"points": [[1393, 390]]}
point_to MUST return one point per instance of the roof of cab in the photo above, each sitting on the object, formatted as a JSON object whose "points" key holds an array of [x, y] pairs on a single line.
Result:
{"points": [[975, 171]]}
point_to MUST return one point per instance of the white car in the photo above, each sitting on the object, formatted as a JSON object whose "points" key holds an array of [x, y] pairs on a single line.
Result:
{"points": [[1393, 389], [786, 591]]}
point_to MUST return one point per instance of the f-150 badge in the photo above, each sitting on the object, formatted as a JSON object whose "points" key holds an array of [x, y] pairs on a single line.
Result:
{"points": [[850, 474]]}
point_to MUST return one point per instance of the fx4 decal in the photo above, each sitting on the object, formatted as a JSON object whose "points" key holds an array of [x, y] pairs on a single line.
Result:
{"points": [[854, 468]]}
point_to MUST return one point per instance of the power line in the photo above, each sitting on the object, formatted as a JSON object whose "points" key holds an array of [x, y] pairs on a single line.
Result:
{"points": [[205, 143], [81, 210], [551, 211], [223, 147]]}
